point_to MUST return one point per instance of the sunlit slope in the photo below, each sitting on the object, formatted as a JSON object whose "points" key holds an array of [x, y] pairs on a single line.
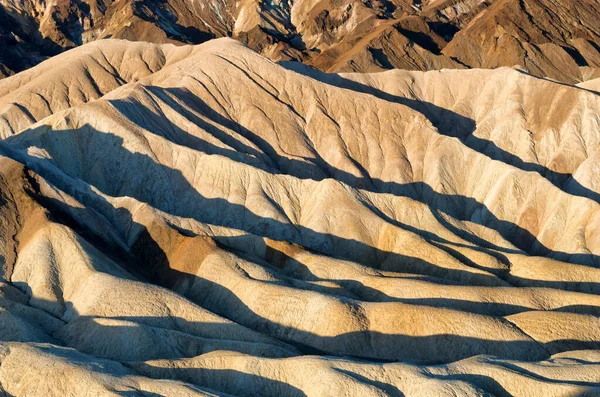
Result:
{"points": [[218, 217]]}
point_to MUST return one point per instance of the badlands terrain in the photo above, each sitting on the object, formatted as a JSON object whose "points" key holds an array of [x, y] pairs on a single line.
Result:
{"points": [[200, 220], [548, 38]]}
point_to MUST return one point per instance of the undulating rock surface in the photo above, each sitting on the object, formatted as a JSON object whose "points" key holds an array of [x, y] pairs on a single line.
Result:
{"points": [[199, 220]]}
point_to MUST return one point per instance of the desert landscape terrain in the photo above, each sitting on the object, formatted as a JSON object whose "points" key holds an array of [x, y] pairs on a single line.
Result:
{"points": [[249, 216]]}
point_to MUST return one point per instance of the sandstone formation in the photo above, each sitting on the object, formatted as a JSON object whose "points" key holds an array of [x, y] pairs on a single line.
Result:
{"points": [[199, 220]]}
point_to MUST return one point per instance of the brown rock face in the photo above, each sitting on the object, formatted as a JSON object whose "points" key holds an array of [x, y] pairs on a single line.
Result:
{"points": [[555, 39], [543, 37]]}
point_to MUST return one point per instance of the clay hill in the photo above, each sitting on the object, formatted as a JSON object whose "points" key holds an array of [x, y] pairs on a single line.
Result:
{"points": [[199, 220], [547, 38]]}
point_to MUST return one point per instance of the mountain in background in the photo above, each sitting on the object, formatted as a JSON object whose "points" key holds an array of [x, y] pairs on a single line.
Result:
{"points": [[559, 40]]}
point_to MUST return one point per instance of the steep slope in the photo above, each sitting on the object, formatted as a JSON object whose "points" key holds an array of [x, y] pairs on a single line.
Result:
{"points": [[204, 215], [529, 123], [554, 39], [76, 77]]}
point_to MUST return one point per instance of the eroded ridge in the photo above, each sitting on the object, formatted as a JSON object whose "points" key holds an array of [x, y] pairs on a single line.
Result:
{"points": [[221, 224]]}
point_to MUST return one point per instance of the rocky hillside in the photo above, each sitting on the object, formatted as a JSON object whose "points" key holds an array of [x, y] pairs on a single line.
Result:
{"points": [[198, 220], [546, 38]]}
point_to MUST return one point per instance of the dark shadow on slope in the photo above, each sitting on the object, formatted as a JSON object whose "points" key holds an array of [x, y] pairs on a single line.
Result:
{"points": [[9, 27], [151, 260], [364, 345], [232, 382], [488, 383], [22, 49], [214, 124], [576, 87], [423, 40], [576, 55], [157, 12], [389, 389], [247, 383], [444, 29], [262, 155], [222, 379], [222, 301], [525, 372], [452, 124], [580, 309], [432, 349], [168, 190], [175, 188], [266, 158], [151, 255], [380, 58]]}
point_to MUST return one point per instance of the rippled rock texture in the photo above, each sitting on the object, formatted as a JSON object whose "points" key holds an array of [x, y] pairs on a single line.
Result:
{"points": [[198, 220]]}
